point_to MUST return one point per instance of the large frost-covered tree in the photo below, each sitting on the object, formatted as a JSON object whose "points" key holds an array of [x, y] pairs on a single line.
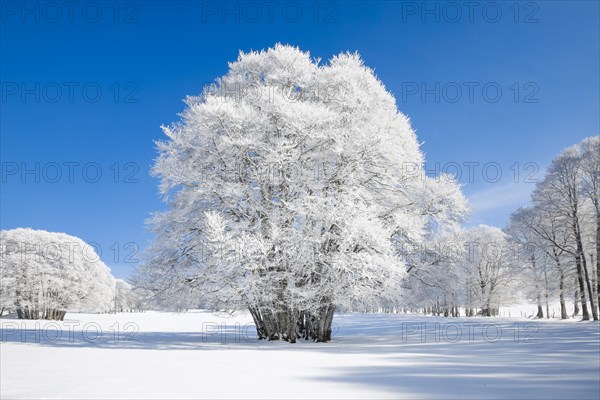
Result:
{"points": [[294, 187], [43, 274]]}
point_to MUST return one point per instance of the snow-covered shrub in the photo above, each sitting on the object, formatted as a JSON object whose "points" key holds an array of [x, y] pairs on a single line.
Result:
{"points": [[46, 273]]}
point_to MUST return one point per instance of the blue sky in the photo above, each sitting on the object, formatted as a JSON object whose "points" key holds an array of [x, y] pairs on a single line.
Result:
{"points": [[489, 86]]}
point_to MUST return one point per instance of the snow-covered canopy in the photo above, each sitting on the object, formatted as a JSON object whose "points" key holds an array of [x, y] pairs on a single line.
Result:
{"points": [[53, 270], [291, 181]]}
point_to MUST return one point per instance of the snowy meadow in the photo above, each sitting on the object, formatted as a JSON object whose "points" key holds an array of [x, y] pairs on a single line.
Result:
{"points": [[202, 355]]}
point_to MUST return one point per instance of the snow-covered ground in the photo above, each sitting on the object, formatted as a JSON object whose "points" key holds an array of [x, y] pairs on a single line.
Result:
{"points": [[198, 354]]}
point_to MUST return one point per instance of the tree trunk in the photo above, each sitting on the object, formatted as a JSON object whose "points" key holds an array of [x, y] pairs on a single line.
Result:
{"points": [[595, 302], [581, 262], [589, 285], [561, 297], [584, 308], [597, 254], [324, 323], [561, 292], [290, 325], [34, 313], [546, 290], [538, 296]]}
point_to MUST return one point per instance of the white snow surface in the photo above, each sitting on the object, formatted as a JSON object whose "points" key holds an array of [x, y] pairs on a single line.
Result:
{"points": [[202, 355]]}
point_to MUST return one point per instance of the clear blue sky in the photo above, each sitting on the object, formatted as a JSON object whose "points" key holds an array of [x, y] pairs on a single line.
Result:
{"points": [[85, 88]]}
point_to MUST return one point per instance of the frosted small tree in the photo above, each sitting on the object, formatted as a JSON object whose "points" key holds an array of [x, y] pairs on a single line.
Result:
{"points": [[123, 296], [438, 275], [543, 238], [45, 273], [490, 260], [288, 193]]}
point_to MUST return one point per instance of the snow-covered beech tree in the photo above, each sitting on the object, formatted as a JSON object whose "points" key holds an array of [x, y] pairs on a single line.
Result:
{"points": [[590, 187], [437, 276], [124, 300], [46, 273], [527, 257], [129, 298], [563, 223], [540, 237], [562, 194], [289, 195], [490, 260]]}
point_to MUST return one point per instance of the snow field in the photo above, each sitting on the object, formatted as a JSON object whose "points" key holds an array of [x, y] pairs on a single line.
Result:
{"points": [[371, 355]]}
